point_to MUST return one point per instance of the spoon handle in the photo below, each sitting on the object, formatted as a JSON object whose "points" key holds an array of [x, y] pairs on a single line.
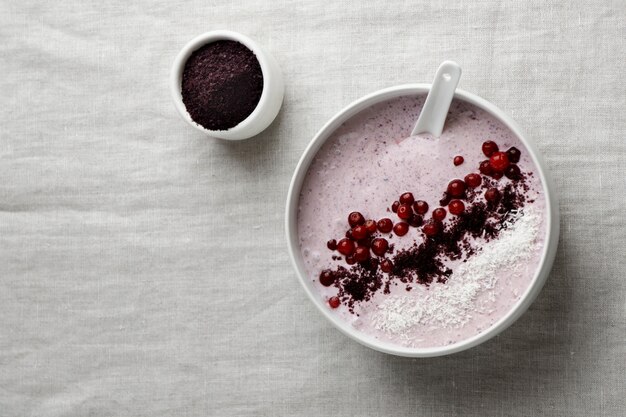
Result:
{"points": [[435, 110]]}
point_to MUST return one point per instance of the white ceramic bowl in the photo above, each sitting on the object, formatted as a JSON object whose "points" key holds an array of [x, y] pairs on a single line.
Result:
{"points": [[291, 220], [271, 97]]}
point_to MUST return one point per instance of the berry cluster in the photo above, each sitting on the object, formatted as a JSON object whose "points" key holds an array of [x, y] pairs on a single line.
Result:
{"points": [[364, 236], [500, 163], [362, 239]]}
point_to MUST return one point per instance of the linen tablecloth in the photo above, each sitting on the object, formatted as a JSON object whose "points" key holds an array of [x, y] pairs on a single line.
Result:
{"points": [[143, 266]]}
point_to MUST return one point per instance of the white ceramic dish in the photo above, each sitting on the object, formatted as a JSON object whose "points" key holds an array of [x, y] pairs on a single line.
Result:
{"points": [[291, 223], [271, 97]]}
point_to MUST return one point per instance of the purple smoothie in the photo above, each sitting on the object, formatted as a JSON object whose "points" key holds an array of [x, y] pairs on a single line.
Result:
{"points": [[364, 166]]}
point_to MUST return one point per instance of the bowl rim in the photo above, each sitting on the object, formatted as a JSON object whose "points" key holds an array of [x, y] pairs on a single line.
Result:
{"points": [[291, 229], [236, 132]]}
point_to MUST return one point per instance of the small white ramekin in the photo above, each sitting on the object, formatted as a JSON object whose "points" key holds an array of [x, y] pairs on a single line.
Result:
{"points": [[291, 224], [271, 97]]}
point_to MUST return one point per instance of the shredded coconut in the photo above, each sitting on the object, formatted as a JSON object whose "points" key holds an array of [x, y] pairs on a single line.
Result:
{"points": [[451, 304]]}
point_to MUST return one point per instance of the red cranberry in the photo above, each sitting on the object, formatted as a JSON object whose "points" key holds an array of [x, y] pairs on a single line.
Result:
{"points": [[394, 206], [405, 211], [496, 175], [499, 161], [349, 234], [431, 229], [485, 168], [401, 228], [370, 225], [361, 253], [456, 207], [355, 218], [385, 225], [350, 260], [331, 244], [513, 172], [359, 232], [473, 180], [420, 207], [415, 220], [456, 188], [407, 198], [492, 195], [380, 246], [458, 160], [386, 266], [439, 214], [345, 247], [489, 148], [514, 154], [334, 302], [327, 278]]}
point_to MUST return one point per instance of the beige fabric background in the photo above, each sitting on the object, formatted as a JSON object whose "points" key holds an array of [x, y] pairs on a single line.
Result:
{"points": [[143, 268]]}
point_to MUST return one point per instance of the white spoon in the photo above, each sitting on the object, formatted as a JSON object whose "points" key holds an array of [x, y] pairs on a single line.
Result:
{"points": [[435, 110]]}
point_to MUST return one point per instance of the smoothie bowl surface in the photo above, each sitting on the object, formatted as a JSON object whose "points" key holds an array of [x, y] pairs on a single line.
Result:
{"points": [[454, 236]]}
